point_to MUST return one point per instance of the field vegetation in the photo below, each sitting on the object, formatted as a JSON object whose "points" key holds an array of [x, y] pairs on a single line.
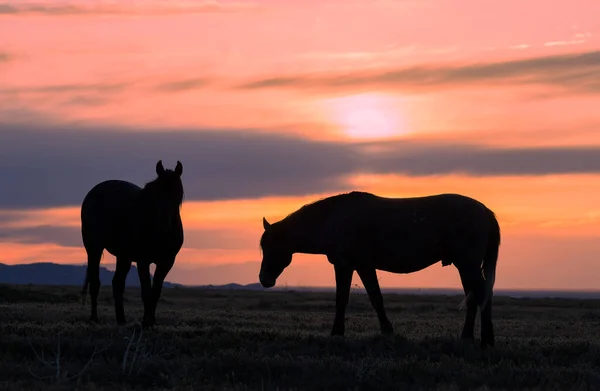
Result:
{"points": [[245, 340]]}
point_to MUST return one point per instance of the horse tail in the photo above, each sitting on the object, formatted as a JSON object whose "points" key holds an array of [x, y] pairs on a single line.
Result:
{"points": [[491, 259], [488, 266]]}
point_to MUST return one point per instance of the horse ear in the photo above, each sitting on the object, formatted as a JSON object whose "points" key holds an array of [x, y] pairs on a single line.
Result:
{"points": [[266, 224], [159, 168], [179, 168]]}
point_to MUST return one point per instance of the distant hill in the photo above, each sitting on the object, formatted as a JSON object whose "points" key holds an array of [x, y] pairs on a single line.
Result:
{"points": [[46, 273], [233, 287]]}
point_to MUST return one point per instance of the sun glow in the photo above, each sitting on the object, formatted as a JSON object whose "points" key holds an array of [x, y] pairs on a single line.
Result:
{"points": [[368, 116]]}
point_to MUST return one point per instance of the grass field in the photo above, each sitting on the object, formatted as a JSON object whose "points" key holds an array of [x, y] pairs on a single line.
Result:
{"points": [[233, 340]]}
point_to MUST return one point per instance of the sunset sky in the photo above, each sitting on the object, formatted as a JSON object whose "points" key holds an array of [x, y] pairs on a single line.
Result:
{"points": [[272, 104]]}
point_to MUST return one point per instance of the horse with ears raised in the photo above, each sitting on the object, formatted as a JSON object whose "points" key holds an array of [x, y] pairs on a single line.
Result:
{"points": [[141, 225]]}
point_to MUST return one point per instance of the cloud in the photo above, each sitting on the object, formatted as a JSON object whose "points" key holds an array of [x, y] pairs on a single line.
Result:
{"points": [[421, 159], [70, 236], [182, 85], [565, 42], [62, 236], [47, 167], [61, 8], [13, 111], [53, 166], [17, 102], [571, 72], [85, 100], [93, 94], [67, 88], [5, 57]]}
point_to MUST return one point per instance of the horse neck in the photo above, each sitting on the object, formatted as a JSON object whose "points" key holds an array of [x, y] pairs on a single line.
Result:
{"points": [[144, 201], [304, 235]]}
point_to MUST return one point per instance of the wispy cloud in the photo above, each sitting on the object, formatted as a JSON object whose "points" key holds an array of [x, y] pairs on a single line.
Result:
{"points": [[23, 98], [5, 57], [564, 42], [576, 73], [182, 85], [66, 88], [85, 100], [58, 8], [576, 39], [93, 94], [520, 46], [389, 4]]}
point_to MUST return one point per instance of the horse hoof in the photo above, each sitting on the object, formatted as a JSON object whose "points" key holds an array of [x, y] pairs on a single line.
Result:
{"points": [[337, 333], [487, 344], [146, 324], [387, 329], [93, 320]]}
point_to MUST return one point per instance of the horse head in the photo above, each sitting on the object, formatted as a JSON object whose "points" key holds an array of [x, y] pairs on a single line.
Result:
{"points": [[164, 196]]}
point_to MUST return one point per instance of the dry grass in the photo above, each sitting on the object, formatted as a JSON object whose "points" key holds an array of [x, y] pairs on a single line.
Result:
{"points": [[208, 340]]}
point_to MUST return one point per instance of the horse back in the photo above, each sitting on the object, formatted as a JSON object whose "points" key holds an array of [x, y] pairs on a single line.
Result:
{"points": [[419, 230], [111, 218]]}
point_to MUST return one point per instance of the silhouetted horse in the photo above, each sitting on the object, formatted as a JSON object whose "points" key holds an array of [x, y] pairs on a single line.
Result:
{"points": [[134, 224], [363, 232]]}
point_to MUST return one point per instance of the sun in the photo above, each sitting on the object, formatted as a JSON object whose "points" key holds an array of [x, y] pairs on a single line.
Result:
{"points": [[367, 116]]}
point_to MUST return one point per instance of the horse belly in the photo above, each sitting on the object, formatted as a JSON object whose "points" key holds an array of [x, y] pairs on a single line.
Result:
{"points": [[405, 265], [407, 252], [405, 261]]}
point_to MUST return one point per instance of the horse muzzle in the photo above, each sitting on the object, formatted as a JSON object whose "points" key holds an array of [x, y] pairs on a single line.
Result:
{"points": [[265, 281]]}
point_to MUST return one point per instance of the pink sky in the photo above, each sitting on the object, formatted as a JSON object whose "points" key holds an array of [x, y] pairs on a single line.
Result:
{"points": [[508, 75]]}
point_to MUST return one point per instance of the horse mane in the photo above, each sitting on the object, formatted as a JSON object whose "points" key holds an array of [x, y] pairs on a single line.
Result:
{"points": [[155, 184], [320, 207]]}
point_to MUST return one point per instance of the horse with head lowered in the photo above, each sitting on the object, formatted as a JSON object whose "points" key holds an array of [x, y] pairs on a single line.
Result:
{"points": [[363, 232]]}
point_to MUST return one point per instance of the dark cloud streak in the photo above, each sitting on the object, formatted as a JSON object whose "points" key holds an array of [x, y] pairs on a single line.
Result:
{"points": [[56, 167], [152, 8], [473, 160], [67, 88], [182, 85], [62, 236], [571, 72], [67, 236], [5, 57]]}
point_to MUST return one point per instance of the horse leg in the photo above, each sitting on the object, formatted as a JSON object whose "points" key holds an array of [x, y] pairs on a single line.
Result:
{"points": [[146, 288], [162, 269], [476, 286], [93, 278], [469, 326], [343, 279], [487, 328], [369, 279], [118, 285]]}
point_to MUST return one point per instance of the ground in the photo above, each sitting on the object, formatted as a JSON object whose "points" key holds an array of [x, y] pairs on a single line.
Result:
{"points": [[242, 340]]}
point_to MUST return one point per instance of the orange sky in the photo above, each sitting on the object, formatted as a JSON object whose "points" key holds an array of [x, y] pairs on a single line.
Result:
{"points": [[495, 100]]}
